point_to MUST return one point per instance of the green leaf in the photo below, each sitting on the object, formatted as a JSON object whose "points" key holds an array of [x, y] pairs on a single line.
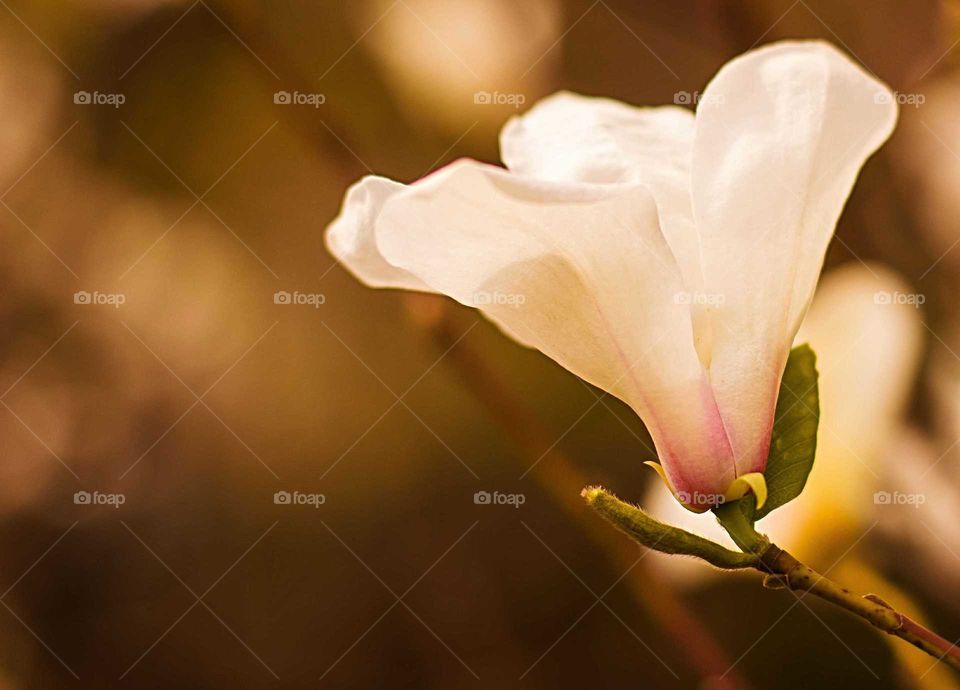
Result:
{"points": [[794, 439]]}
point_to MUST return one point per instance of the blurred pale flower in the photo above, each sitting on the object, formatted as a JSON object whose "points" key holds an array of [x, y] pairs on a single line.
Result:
{"points": [[921, 481], [28, 89], [918, 516], [665, 258], [452, 61]]}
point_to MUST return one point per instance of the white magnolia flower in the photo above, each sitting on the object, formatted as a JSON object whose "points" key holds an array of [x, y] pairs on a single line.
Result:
{"points": [[664, 257]]}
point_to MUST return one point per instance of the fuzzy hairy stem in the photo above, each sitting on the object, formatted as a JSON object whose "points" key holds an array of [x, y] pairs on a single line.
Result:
{"points": [[658, 536]]}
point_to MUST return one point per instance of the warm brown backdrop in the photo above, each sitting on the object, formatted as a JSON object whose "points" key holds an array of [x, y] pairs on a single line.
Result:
{"points": [[199, 197]]}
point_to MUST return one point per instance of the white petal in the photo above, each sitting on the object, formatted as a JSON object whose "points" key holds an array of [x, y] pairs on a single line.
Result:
{"points": [[573, 138], [352, 240], [581, 272], [781, 134]]}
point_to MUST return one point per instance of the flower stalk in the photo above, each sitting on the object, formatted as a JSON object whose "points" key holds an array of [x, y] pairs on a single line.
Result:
{"points": [[782, 570]]}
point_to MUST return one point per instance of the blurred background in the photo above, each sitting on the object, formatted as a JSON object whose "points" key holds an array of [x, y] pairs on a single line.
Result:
{"points": [[227, 464]]}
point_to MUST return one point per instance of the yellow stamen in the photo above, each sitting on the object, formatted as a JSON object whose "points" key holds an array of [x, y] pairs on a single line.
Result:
{"points": [[742, 485]]}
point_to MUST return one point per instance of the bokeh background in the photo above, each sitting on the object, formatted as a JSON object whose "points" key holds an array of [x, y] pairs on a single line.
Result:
{"points": [[167, 171]]}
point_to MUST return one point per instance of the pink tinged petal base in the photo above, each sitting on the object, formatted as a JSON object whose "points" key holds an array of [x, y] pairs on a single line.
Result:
{"points": [[699, 470]]}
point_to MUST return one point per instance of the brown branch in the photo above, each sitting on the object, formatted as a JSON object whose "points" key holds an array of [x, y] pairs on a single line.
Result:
{"points": [[791, 573]]}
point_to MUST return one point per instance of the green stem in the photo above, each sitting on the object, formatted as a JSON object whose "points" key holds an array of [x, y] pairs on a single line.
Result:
{"points": [[662, 537], [740, 528], [782, 569]]}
